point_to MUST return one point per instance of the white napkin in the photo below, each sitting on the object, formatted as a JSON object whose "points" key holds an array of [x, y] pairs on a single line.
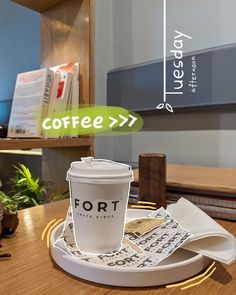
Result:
{"points": [[208, 237]]}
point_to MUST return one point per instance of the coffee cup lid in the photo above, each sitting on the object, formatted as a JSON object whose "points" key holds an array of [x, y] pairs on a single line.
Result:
{"points": [[92, 170]]}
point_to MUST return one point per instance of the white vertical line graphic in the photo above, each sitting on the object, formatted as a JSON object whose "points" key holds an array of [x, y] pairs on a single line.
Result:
{"points": [[164, 104], [164, 50]]}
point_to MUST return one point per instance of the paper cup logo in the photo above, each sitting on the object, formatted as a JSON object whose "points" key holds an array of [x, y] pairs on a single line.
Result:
{"points": [[98, 209]]}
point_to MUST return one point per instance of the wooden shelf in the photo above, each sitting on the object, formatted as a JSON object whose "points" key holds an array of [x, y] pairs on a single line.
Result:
{"points": [[38, 5], [19, 144], [67, 35]]}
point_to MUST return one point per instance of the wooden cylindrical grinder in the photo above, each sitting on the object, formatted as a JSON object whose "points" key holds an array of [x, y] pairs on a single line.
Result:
{"points": [[152, 178]]}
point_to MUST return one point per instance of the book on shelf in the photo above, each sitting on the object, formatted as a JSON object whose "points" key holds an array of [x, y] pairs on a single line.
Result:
{"points": [[68, 88], [40, 93], [30, 103], [70, 70], [60, 102]]}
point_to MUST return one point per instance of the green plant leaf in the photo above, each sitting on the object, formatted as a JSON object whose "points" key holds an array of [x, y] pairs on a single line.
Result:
{"points": [[8, 203], [27, 189]]}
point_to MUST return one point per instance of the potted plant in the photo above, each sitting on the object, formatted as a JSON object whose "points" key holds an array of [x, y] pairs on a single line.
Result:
{"points": [[26, 192], [9, 215]]}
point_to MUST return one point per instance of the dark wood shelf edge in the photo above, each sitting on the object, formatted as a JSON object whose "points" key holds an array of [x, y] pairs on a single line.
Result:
{"points": [[19, 144], [38, 5]]}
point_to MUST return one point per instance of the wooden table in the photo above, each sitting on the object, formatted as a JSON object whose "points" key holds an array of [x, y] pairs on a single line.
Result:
{"points": [[32, 271]]}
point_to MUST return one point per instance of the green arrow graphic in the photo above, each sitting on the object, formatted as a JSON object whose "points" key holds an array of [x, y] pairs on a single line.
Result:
{"points": [[103, 120]]}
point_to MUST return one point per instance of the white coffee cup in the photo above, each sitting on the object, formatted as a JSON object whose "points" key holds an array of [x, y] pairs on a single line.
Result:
{"points": [[99, 191]]}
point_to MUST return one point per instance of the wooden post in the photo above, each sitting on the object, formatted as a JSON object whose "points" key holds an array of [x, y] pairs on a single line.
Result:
{"points": [[152, 178], [67, 35], [55, 163]]}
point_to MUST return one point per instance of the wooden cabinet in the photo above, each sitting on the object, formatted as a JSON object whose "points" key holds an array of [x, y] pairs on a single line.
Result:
{"points": [[67, 35]]}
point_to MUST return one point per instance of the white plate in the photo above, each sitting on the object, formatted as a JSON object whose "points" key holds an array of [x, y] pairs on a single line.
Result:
{"points": [[181, 265]]}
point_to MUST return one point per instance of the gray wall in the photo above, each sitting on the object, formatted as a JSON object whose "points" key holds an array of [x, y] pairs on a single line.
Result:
{"points": [[200, 138], [20, 46], [103, 62]]}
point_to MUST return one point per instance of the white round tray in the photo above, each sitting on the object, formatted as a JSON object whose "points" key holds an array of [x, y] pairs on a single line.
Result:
{"points": [[181, 265]]}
